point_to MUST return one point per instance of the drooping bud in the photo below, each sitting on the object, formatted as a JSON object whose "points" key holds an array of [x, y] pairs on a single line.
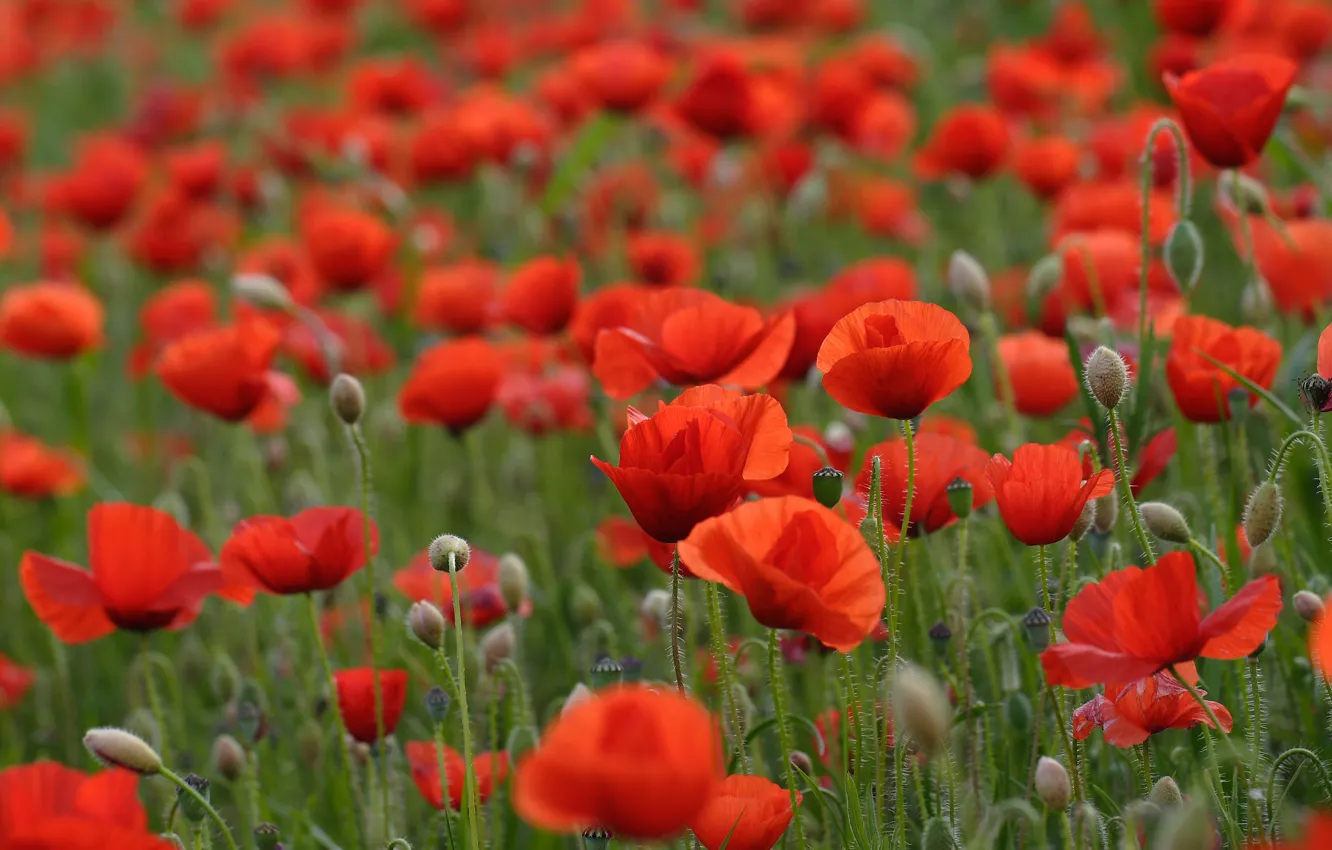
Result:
{"points": [[513, 580], [1165, 793], [190, 807], [1036, 626], [801, 761], [922, 708], [228, 758], [267, 836], [961, 498], [498, 645], [262, 291], [1165, 522], [1307, 604], [449, 552], [118, 748], [347, 397], [585, 605], [828, 486], [1107, 377], [1183, 255], [1085, 521], [1052, 783], [968, 281], [1262, 513], [1044, 277], [427, 624], [606, 671], [1107, 512], [940, 634], [1247, 194], [656, 607]]}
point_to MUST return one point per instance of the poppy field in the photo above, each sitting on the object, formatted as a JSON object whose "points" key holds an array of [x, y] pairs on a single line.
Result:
{"points": [[745, 424]]}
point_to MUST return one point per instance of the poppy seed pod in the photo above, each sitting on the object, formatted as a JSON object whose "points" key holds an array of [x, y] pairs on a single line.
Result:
{"points": [[427, 623], [968, 281], [1164, 522], [262, 291], [1262, 513], [498, 645], [118, 748], [1036, 625], [348, 398], [1307, 604], [1107, 377], [449, 553], [1044, 276], [228, 758], [1165, 793], [1052, 783], [961, 497], [597, 838], [267, 836], [437, 702], [828, 486], [922, 707], [1183, 255]]}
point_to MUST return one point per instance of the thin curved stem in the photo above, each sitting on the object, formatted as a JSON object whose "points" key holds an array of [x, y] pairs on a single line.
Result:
{"points": [[894, 639], [674, 622], [469, 781], [154, 701], [202, 801], [717, 628], [775, 678]]}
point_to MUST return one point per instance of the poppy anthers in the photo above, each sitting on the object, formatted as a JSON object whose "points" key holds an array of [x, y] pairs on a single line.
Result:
{"points": [[1230, 108], [1041, 491]]}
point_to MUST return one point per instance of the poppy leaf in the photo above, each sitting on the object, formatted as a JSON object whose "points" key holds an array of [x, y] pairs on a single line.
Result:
{"points": [[578, 160], [1265, 395]]}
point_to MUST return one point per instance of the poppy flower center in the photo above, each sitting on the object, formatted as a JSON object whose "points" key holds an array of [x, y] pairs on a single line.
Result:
{"points": [[881, 331]]}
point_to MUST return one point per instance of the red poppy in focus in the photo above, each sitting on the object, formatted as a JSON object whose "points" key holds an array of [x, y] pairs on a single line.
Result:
{"points": [[1039, 373], [693, 459], [719, 98], [1136, 623], [662, 258], [15, 680], [745, 813], [424, 758], [940, 460], [541, 294], [317, 549], [47, 806], [1041, 491], [639, 762], [971, 140], [1130, 714], [691, 336], [348, 248], [51, 321], [605, 308], [1047, 165], [31, 470], [623, 544], [171, 313], [623, 76], [1230, 108], [895, 358], [481, 602], [452, 384], [224, 371], [1201, 388], [147, 573], [356, 701]]}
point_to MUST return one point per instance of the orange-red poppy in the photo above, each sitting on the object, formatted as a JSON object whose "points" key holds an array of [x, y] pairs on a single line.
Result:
{"points": [[15, 680], [623, 76], [798, 477], [147, 573], [1047, 165], [106, 178], [541, 294], [621, 543], [317, 549], [171, 313], [894, 358], [452, 384], [1135, 623], [1039, 372], [1296, 263], [52, 321], [1202, 389], [1041, 491], [348, 248], [639, 762], [1131, 713], [798, 564], [745, 813], [940, 460], [32, 470], [456, 298], [691, 336], [606, 308], [47, 806], [480, 599], [971, 140], [224, 371], [424, 758], [356, 701], [1230, 108], [719, 98]]}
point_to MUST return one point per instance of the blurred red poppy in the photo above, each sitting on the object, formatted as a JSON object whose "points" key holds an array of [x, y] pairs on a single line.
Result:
{"points": [[1041, 491], [15, 680], [47, 806], [1296, 262], [546, 400], [356, 701], [621, 543], [745, 813], [32, 470], [347, 248], [1230, 108], [106, 178], [940, 460], [1192, 17], [224, 371], [663, 258], [1131, 713], [1039, 373], [356, 346], [971, 140], [623, 76], [456, 298], [171, 313], [541, 294], [1136, 623], [719, 97], [317, 549], [51, 321], [424, 758], [452, 384], [1047, 165], [1201, 388]]}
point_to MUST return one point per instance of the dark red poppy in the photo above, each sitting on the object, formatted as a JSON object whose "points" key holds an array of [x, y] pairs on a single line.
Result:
{"points": [[1039, 371], [1230, 108], [745, 813], [52, 321], [348, 248], [1136, 623], [1192, 17], [1041, 491], [1131, 713], [47, 806], [356, 701], [106, 178], [224, 371], [940, 460], [662, 258], [196, 171], [391, 87], [15, 680], [424, 758], [452, 384], [1203, 390], [541, 294], [32, 470], [971, 140], [147, 573], [718, 99], [1047, 165], [622, 544], [317, 549], [480, 600]]}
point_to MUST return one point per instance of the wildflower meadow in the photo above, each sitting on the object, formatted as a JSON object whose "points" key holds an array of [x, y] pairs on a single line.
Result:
{"points": [[689, 424]]}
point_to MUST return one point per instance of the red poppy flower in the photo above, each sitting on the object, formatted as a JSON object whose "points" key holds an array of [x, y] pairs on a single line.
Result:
{"points": [[1135, 623], [47, 806], [195, 171], [639, 762], [1039, 372], [481, 601], [662, 258], [356, 701], [623, 76], [224, 371], [971, 140], [798, 564], [53, 321], [31, 470], [456, 298], [452, 384], [693, 459], [15, 680], [357, 347], [894, 358], [348, 248], [317, 549], [173, 312], [284, 261], [719, 98], [1231, 107], [691, 336], [940, 460], [1154, 458], [540, 402], [1316, 835], [1191, 17], [606, 308], [107, 175], [1130, 714], [147, 573], [1047, 165], [1296, 263], [1201, 389], [1041, 492], [541, 294], [745, 813], [1100, 272], [489, 769], [622, 544]]}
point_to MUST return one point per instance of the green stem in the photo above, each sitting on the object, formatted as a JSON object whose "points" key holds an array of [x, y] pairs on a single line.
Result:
{"points": [[443, 782], [202, 801], [894, 639], [1147, 781], [673, 622], [1200, 549], [469, 787], [775, 679], [341, 743], [154, 701], [1126, 488], [722, 656], [1007, 398], [1057, 693]]}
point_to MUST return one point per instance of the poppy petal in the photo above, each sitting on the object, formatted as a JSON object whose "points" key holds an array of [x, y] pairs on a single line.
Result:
{"points": [[65, 598], [1240, 625]]}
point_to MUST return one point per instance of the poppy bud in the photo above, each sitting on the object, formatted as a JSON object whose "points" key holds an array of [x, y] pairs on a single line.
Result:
{"points": [[1165, 793], [118, 748], [1165, 522], [585, 605], [437, 703], [940, 634], [1262, 560], [801, 761], [1249, 196], [498, 644], [262, 291], [1262, 514], [655, 607], [251, 722], [1052, 783], [1256, 302], [348, 398], [870, 529], [1036, 625], [513, 580], [191, 808], [922, 707], [1307, 605], [228, 757], [961, 499], [266, 836], [828, 486], [597, 838], [1085, 520], [605, 671], [449, 552], [1017, 711], [1107, 511], [1107, 377], [1191, 829], [426, 623], [580, 694], [968, 281], [1044, 277], [1184, 255]]}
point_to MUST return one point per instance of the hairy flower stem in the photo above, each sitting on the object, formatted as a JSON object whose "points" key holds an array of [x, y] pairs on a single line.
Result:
{"points": [[470, 799], [892, 583], [1147, 780], [673, 622], [337, 712], [778, 684], [1211, 717], [722, 655], [990, 335], [1126, 489], [1056, 692], [154, 701], [203, 803]]}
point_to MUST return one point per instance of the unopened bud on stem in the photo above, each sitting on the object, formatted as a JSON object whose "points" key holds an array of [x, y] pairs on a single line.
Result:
{"points": [[922, 708], [449, 552], [1307, 604], [347, 397], [968, 280], [513, 580], [118, 748], [1262, 513], [1052, 783], [1165, 522], [1107, 377], [427, 624]]}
